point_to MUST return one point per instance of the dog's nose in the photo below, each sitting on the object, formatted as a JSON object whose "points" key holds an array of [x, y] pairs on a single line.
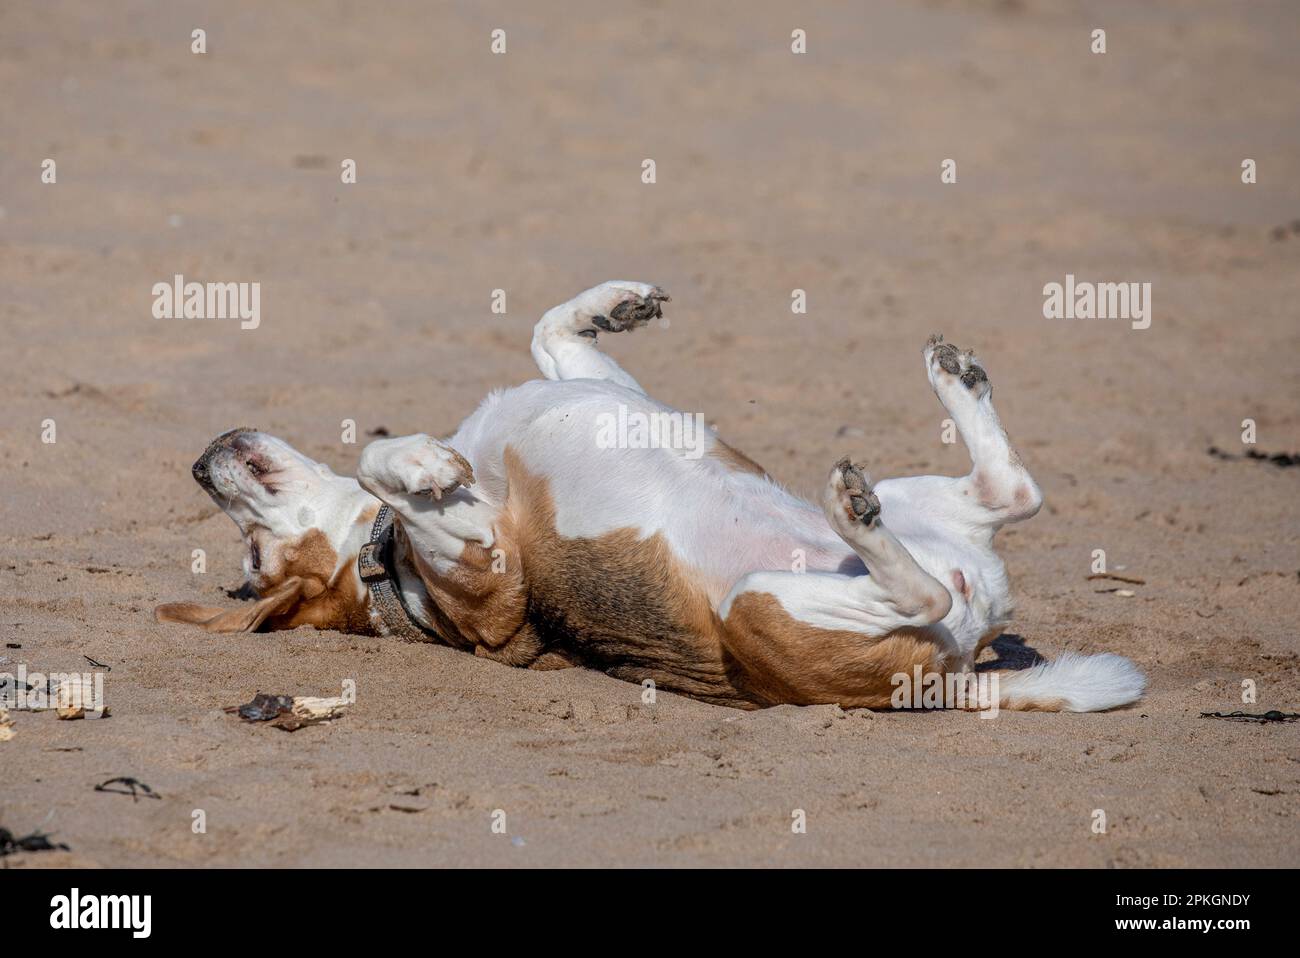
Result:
{"points": [[202, 468]]}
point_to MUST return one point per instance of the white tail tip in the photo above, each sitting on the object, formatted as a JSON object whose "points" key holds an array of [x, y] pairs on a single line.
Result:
{"points": [[1073, 683]]}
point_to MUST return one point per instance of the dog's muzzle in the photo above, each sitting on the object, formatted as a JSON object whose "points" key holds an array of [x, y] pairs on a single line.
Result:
{"points": [[202, 468]]}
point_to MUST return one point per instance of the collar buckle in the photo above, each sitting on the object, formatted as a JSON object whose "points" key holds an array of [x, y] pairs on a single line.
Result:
{"points": [[370, 563]]}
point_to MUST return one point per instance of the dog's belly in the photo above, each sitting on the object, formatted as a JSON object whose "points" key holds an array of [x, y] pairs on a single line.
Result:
{"points": [[714, 508]]}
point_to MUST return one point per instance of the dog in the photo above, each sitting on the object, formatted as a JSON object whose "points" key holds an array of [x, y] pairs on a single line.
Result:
{"points": [[525, 540]]}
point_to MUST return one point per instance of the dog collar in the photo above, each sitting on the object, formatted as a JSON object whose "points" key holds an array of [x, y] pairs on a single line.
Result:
{"points": [[389, 612]]}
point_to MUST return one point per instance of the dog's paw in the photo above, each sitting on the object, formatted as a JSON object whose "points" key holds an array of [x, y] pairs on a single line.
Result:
{"points": [[617, 306], [946, 364], [850, 493], [413, 465]]}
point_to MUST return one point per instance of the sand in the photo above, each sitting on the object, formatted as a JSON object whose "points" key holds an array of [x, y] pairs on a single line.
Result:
{"points": [[775, 172]]}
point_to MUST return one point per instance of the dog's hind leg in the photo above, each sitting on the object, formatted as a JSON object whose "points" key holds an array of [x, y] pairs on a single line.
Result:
{"points": [[564, 339], [998, 489], [815, 637]]}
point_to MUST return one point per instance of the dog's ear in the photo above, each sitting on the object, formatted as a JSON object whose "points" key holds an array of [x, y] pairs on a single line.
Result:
{"points": [[280, 599]]}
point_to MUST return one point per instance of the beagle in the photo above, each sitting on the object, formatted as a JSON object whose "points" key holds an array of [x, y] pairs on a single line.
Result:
{"points": [[549, 532]]}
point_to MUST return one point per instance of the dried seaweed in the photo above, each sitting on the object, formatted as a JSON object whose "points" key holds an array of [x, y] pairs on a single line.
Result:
{"points": [[130, 786], [1259, 718], [1280, 459], [35, 842]]}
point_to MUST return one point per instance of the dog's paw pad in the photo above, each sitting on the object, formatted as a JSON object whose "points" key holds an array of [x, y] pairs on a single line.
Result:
{"points": [[423, 466], [947, 358], [972, 373], [853, 490], [440, 473], [416, 465], [633, 312]]}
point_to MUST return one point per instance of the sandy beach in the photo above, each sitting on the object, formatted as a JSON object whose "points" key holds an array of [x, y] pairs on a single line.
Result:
{"points": [[774, 172]]}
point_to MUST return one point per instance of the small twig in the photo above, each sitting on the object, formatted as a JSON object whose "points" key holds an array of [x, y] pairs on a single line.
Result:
{"points": [[1132, 580]]}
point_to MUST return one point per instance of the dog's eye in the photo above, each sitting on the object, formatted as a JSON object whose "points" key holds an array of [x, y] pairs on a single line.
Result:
{"points": [[254, 555], [256, 468]]}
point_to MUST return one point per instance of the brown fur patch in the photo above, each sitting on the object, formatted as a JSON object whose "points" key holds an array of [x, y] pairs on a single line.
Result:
{"points": [[481, 604], [787, 660], [552, 661], [1019, 702], [243, 619], [616, 602], [305, 591], [328, 601], [735, 459]]}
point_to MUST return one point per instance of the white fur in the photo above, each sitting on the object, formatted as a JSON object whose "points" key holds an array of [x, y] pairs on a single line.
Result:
{"points": [[1084, 683]]}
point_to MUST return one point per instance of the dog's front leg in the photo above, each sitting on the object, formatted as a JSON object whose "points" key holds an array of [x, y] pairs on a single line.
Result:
{"points": [[428, 486], [564, 339], [471, 585]]}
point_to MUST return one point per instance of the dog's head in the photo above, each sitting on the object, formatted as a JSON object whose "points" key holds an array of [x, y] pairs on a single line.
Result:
{"points": [[302, 526]]}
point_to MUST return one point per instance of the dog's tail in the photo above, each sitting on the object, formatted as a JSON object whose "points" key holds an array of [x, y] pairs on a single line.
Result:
{"points": [[1072, 683]]}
